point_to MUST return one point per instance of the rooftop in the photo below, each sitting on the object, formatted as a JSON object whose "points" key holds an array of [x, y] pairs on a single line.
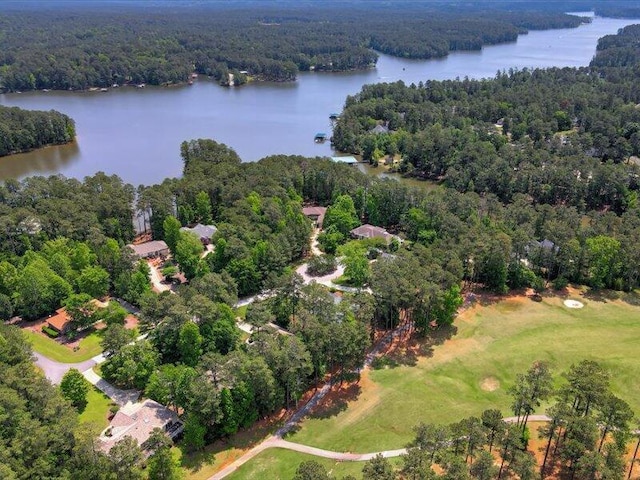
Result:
{"points": [[202, 231], [317, 212], [60, 320], [371, 231], [348, 159], [137, 421], [148, 247]]}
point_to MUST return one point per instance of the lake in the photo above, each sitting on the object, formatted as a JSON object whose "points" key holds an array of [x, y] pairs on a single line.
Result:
{"points": [[136, 133]]}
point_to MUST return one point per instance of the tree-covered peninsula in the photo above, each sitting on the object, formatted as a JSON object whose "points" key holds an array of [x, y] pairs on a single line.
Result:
{"points": [[559, 136], [70, 47], [24, 130]]}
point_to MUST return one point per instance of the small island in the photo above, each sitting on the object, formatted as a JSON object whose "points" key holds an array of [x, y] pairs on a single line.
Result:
{"points": [[24, 130]]}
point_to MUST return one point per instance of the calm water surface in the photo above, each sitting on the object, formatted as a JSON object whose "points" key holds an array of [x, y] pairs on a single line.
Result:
{"points": [[136, 133]]}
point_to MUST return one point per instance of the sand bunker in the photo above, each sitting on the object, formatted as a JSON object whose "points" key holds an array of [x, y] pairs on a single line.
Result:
{"points": [[489, 384], [573, 304]]}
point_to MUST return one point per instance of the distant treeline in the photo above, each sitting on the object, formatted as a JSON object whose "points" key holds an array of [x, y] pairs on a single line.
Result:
{"points": [[72, 48], [23, 130]]}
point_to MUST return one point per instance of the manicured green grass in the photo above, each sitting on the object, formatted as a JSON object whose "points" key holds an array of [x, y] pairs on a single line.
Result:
{"points": [[452, 379], [89, 347], [277, 463], [97, 409]]}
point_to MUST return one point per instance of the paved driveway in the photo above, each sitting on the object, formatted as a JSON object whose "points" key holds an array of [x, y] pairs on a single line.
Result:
{"points": [[54, 371]]}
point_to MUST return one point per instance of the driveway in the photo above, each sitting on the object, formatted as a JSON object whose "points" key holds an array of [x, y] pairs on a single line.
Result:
{"points": [[54, 371], [121, 397], [156, 279]]}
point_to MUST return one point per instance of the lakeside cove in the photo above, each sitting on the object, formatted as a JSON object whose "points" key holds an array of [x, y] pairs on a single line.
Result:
{"points": [[136, 132]]}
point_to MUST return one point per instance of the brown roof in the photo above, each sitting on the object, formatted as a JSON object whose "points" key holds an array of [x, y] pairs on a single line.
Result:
{"points": [[315, 212], [137, 421], [370, 231], [60, 320], [148, 248]]}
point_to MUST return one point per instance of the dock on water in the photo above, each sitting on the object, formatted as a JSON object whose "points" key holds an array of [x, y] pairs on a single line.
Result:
{"points": [[320, 137]]}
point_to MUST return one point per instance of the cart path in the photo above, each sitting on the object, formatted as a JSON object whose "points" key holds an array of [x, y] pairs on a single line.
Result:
{"points": [[276, 441]]}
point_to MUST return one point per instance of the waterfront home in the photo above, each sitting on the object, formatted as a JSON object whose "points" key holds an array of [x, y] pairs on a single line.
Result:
{"points": [[349, 160]]}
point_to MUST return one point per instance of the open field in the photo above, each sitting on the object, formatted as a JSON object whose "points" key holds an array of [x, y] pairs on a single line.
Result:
{"points": [[277, 463], [446, 380], [88, 347], [97, 408]]}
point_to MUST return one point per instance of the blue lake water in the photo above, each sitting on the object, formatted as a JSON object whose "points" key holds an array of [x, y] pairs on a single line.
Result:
{"points": [[136, 133]]}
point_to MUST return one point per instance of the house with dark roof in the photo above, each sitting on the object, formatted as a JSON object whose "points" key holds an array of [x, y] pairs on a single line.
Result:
{"points": [[371, 231], [315, 214], [203, 232], [152, 249]]}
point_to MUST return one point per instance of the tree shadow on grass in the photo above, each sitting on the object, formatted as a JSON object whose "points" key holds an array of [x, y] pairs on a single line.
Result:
{"points": [[632, 298], [602, 296], [336, 401], [406, 351]]}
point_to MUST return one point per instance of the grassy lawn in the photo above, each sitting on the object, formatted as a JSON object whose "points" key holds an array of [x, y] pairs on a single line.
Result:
{"points": [[445, 380], [201, 465], [89, 347], [97, 408], [277, 463]]}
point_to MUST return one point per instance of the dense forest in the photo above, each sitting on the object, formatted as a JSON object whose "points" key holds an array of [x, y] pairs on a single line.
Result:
{"points": [[560, 136], [23, 130], [70, 48]]}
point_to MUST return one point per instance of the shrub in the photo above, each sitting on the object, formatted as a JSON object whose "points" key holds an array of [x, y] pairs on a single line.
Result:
{"points": [[50, 332], [322, 265], [560, 283]]}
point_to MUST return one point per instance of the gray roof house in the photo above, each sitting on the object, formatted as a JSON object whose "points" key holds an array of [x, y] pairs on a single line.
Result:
{"points": [[371, 231], [137, 421], [154, 248], [203, 232]]}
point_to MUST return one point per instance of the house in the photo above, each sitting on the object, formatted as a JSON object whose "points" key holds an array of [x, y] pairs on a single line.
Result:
{"points": [[137, 421], [152, 249], [60, 322], [370, 231], [545, 246], [203, 232], [349, 160], [315, 214], [379, 129]]}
